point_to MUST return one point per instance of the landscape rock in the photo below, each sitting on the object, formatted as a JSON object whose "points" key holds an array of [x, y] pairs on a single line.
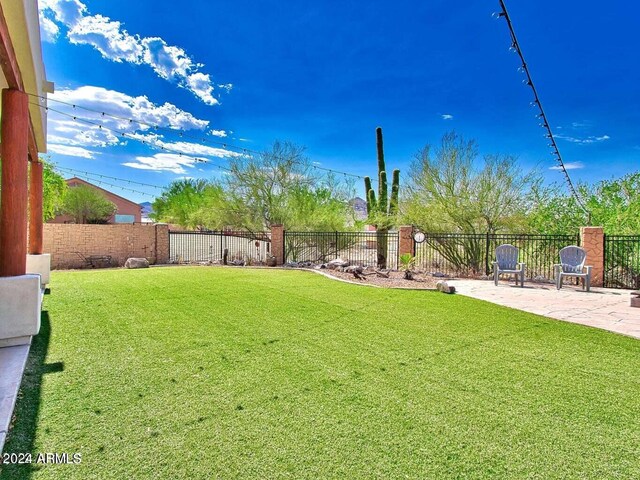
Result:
{"points": [[354, 269], [136, 263], [272, 261], [337, 263], [444, 287]]}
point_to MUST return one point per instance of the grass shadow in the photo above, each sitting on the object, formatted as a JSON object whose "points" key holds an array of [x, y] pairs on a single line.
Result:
{"points": [[21, 438]]}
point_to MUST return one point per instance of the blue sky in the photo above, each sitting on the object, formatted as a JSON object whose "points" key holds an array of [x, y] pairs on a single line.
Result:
{"points": [[325, 74]]}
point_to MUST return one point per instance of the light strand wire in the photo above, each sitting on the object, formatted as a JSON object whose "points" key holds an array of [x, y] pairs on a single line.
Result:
{"points": [[182, 133], [515, 46]]}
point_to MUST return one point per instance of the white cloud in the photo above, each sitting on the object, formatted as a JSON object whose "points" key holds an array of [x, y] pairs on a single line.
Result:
{"points": [[68, 12], [76, 135], [71, 151], [447, 116], [579, 125], [186, 148], [115, 43], [218, 133], [584, 140], [108, 38], [48, 29], [569, 166], [163, 162]]}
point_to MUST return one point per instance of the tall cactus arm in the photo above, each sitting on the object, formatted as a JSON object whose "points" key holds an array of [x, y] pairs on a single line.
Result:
{"points": [[380, 147], [382, 192], [395, 188], [367, 187], [372, 206]]}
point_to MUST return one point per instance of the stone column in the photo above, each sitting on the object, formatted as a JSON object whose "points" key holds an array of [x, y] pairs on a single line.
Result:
{"points": [[162, 244], [13, 210], [277, 243], [406, 242], [592, 240]]}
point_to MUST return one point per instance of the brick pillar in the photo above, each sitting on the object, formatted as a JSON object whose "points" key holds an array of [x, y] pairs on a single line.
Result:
{"points": [[592, 240], [277, 243], [35, 208], [162, 243], [407, 244], [13, 209]]}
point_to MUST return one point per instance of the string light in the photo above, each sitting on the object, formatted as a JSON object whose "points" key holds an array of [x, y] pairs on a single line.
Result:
{"points": [[524, 68], [181, 134], [100, 175], [102, 182], [144, 142]]}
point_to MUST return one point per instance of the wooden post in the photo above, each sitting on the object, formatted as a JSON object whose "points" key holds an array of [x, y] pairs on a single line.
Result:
{"points": [[35, 208], [14, 131]]}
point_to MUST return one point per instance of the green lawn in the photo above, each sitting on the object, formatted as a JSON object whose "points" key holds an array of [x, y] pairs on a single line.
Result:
{"points": [[202, 372]]}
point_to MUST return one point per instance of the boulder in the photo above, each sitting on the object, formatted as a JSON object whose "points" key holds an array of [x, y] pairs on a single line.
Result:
{"points": [[444, 287], [136, 263], [354, 269], [337, 263]]}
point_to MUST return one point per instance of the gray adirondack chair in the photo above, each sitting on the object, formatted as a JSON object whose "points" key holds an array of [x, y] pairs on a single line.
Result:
{"points": [[571, 264], [507, 262]]}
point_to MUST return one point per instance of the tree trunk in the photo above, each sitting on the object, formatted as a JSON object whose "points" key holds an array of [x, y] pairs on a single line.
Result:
{"points": [[382, 247]]}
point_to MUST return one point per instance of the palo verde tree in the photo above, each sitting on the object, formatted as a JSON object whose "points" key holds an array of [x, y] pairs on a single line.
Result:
{"points": [[87, 205], [383, 210]]}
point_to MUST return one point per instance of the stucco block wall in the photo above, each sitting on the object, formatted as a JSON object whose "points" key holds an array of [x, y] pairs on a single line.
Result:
{"points": [[62, 241]]}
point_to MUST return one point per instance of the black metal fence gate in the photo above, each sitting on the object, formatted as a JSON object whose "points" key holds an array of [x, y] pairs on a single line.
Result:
{"points": [[622, 261], [209, 246], [357, 247]]}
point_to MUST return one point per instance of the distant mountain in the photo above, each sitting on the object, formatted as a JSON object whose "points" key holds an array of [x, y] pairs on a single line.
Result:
{"points": [[359, 207], [146, 208]]}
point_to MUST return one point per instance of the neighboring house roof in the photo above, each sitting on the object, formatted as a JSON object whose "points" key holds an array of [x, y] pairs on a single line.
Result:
{"points": [[84, 182]]}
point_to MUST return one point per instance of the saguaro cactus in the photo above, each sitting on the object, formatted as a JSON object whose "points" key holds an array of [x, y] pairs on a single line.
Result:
{"points": [[382, 210]]}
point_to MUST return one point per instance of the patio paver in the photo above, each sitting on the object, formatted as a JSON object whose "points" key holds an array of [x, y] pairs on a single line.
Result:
{"points": [[603, 308], [12, 364]]}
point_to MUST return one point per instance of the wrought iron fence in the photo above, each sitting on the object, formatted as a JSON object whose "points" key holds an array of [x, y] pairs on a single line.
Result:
{"points": [[208, 246], [622, 261], [358, 247], [472, 255]]}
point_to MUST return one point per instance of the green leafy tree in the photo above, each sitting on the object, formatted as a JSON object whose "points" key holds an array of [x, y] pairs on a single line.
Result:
{"points": [[613, 204], [87, 205], [452, 190], [182, 203], [275, 187], [54, 190]]}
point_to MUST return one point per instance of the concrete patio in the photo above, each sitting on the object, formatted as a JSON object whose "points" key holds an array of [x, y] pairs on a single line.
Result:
{"points": [[604, 308]]}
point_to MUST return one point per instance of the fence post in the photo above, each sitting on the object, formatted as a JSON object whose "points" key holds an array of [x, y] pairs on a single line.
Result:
{"points": [[486, 255], [592, 240], [162, 244], [406, 242], [277, 243]]}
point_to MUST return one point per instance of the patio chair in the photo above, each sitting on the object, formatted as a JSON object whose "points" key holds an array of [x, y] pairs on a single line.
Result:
{"points": [[571, 264], [507, 262]]}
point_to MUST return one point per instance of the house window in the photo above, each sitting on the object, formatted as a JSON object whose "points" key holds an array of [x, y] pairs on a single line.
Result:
{"points": [[124, 218]]}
